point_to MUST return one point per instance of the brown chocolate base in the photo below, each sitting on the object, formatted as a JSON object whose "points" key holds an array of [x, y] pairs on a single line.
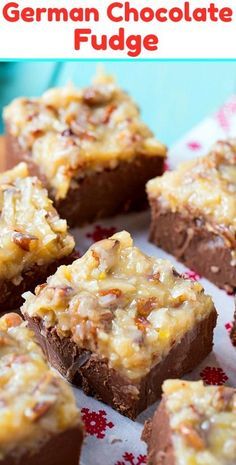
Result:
{"points": [[63, 449], [233, 331], [11, 294], [157, 435], [191, 242], [92, 373], [98, 195]]}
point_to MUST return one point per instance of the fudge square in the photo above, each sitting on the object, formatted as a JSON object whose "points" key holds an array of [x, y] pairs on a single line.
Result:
{"points": [[33, 239], [193, 425], [39, 420], [118, 322], [89, 146], [194, 214]]}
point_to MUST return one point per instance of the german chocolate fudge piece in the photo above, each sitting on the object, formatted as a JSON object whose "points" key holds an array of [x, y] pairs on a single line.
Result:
{"points": [[89, 146], [33, 239], [194, 425], [39, 420], [194, 214], [118, 323]]}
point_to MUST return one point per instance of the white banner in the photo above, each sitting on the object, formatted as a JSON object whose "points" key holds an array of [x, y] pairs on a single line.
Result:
{"points": [[107, 29]]}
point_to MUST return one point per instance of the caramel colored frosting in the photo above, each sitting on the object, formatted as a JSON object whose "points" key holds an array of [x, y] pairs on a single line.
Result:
{"points": [[120, 303], [202, 421], [31, 232], [35, 403], [71, 133]]}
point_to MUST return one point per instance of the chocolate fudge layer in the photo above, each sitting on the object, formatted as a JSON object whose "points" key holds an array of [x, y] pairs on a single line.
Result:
{"points": [[89, 146], [33, 238], [194, 425], [39, 420], [118, 322], [194, 214], [233, 330]]}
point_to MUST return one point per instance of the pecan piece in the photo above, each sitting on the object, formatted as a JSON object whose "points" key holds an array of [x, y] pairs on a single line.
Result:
{"points": [[142, 323], [108, 112], [23, 240], [12, 319], [192, 437], [38, 410], [94, 96], [145, 306], [115, 292]]}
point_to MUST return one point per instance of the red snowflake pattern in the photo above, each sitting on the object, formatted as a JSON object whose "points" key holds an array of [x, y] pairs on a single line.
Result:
{"points": [[228, 327], [166, 165], [129, 458], [95, 422], [214, 376], [100, 232], [224, 114], [191, 275], [194, 145]]}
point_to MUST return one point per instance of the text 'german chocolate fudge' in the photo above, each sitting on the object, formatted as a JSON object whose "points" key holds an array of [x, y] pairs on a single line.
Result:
{"points": [[39, 420], [33, 239], [89, 146], [194, 425], [194, 214], [118, 323]]}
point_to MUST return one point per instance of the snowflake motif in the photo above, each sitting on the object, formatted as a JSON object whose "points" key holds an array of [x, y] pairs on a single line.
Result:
{"points": [[214, 376], [228, 327], [191, 275], [129, 458], [224, 114], [166, 165], [101, 232], [95, 422], [194, 145]]}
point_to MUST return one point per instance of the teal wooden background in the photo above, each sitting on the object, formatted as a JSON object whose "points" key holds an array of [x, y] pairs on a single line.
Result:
{"points": [[173, 95]]}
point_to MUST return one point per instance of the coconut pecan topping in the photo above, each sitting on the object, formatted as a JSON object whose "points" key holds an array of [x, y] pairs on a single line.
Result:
{"points": [[202, 421], [114, 309], [34, 401], [31, 231]]}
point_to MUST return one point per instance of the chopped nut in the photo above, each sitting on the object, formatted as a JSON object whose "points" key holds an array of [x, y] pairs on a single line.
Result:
{"points": [[39, 410], [145, 306], [142, 323], [23, 240], [109, 110], [95, 96], [12, 319], [192, 437]]}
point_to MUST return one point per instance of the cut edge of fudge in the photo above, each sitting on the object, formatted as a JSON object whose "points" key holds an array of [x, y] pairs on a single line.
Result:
{"points": [[11, 293], [233, 330], [60, 437], [158, 432], [123, 161], [34, 257], [100, 194], [180, 226], [188, 238], [87, 365], [92, 373]]}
